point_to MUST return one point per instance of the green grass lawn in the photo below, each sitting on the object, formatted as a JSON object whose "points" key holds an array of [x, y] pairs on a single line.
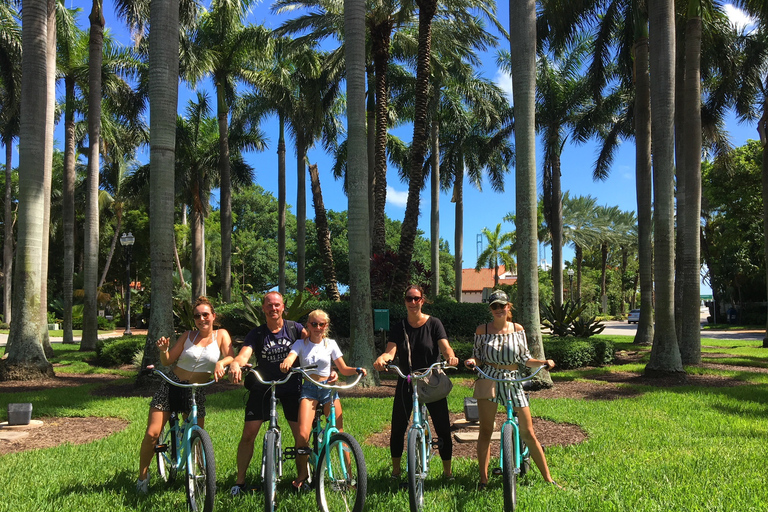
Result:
{"points": [[669, 449]]}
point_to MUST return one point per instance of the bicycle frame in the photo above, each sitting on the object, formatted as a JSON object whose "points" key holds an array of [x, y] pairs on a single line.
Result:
{"points": [[511, 421]]}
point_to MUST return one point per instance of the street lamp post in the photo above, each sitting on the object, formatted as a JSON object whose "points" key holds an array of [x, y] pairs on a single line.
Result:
{"points": [[570, 283], [127, 242]]}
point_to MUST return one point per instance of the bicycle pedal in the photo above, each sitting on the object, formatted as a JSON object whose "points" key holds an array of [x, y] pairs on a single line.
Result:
{"points": [[161, 448], [497, 471], [292, 452], [437, 443]]}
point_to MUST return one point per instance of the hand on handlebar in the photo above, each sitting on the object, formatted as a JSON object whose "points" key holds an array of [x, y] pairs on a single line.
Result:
{"points": [[235, 372], [470, 363], [380, 364]]}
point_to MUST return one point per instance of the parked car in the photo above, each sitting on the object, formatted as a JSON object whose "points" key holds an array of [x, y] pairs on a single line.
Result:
{"points": [[634, 316]]}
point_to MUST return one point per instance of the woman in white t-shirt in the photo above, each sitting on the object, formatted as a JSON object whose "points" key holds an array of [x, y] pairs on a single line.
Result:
{"points": [[320, 350]]}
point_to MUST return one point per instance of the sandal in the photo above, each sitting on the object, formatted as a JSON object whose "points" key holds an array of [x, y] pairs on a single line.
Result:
{"points": [[481, 486], [556, 484], [448, 477], [302, 486]]}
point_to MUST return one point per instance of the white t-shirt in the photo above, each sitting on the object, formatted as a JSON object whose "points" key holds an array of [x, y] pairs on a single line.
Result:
{"points": [[322, 354]]}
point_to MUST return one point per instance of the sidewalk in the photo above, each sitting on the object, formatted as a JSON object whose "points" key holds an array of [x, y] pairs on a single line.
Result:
{"points": [[102, 335]]}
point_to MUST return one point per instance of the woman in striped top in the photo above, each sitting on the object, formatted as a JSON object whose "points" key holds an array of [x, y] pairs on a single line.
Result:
{"points": [[500, 348]]}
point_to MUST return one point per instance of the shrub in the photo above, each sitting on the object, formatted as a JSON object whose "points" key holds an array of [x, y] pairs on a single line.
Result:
{"points": [[105, 325], [118, 351], [604, 352], [570, 353]]}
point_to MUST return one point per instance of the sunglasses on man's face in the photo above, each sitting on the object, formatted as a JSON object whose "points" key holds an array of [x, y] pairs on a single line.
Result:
{"points": [[412, 298], [198, 316], [317, 324]]}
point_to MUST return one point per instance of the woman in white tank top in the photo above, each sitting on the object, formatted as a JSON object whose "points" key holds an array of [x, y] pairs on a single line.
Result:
{"points": [[197, 355]]}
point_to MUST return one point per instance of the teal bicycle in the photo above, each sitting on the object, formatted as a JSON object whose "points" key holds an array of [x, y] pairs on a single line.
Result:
{"points": [[184, 446], [420, 442], [340, 474], [514, 458]]}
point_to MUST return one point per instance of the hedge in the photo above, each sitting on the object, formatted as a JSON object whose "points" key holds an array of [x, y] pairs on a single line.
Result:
{"points": [[118, 351]]}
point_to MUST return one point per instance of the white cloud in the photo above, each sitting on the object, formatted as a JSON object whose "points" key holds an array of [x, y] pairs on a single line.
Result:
{"points": [[504, 81], [738, 18], [396, 197]]}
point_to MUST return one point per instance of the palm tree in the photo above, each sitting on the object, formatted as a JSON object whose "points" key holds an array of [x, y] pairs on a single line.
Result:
{"points": [[25, 356], [580, 227], [522, 42], [163, 97], [361, 323], [226, 50], [665, 354], [498, 251], [10, 91]]}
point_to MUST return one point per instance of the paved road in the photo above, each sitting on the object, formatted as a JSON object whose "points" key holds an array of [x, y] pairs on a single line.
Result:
{"points": [[623, 328], [102, 335]]}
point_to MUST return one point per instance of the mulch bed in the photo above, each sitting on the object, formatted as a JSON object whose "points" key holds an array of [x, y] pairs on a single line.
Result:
{"points": [[56, 431]]}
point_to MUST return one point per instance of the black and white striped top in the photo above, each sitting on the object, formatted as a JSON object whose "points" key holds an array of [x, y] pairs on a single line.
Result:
{"points": [[502, 349]]}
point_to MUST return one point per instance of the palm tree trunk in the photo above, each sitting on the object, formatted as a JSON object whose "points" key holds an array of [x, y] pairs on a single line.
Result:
{"points": [[381, 35], [112, 247], [68, 206], [690, 339], [323, 236], [226, 193], [301, 212], [370, 130], [163, 104], [8, 223], [427, 10], [197, 223], [765, 207], [361, 320], [281, 199], [522, 31], [434, 224], [557, 232], [25, 358], [643, 185], [458, 241], [665, 354]]}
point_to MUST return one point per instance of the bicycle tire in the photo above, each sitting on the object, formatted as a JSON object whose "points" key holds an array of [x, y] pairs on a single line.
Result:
{"points": [[417, 468], [201, 472], [271, 458], [509, 474], [341, 478], [166, 460]]}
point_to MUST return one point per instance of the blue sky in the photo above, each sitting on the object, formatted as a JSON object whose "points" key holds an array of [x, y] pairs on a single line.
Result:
{"points": [[482, 208]]}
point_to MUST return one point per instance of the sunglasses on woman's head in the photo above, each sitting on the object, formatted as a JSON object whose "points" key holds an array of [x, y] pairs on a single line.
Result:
{"points": [[317, 324], [497, 305], [412, 298], [198, 316]]}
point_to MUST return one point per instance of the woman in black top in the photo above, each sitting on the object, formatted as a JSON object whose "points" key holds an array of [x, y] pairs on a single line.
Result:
{"points": [[427, 341]]}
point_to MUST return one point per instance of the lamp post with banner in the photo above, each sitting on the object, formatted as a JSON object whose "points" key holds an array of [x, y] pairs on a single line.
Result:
{"points": [[127, 242]]}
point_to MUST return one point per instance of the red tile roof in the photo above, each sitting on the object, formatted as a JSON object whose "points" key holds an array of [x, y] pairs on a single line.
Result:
{"points": [[472, 281]]}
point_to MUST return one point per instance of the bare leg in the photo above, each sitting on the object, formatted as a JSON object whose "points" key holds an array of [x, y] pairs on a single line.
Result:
{"points": [[307, 409], [245, 449], [397, 467], [155, 422], [529, 437], [486, 410]]}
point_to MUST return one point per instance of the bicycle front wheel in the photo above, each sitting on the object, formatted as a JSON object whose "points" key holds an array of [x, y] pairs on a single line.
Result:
{"points": [[165, 452], [271, 459], [417, 468], [201, 472], [341, 480], [509, 473]]}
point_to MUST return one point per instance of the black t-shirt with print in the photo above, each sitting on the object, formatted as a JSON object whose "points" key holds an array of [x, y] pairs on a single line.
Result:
{"points": [[423, 341], [270, 348]]}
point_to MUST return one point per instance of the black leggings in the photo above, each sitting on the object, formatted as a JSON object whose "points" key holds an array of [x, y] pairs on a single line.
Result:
{"points": [[401, 414]]}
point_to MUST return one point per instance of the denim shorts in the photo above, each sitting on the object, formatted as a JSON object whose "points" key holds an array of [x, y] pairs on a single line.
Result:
{"points": [[314, 392]]}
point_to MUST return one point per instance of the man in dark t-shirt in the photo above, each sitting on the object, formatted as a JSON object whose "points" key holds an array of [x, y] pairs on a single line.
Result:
{"points": [[270, 344]]}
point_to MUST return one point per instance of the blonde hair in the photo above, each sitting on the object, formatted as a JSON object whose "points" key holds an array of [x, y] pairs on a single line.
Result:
{"points": [[319, 312]]}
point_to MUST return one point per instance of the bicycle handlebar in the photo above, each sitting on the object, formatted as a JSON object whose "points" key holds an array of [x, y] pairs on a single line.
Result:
{"points": [[419, 374], [303, 371], [529, 377], [249, 368], [178, 384]]}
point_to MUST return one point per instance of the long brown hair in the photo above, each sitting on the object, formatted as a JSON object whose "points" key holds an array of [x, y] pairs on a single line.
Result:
{"points": [[424, 299], [203, 301]]}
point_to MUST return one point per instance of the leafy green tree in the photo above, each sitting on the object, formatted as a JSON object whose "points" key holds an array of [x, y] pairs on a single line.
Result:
{"points": [[497, 251]]}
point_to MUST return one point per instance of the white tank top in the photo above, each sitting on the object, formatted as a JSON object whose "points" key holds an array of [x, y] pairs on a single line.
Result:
{"points": [[199, 359]]}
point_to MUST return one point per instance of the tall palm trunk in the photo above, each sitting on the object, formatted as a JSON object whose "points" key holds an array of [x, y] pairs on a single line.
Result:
{"points": [[690, 340], [323, 236], [222, 111], [197, 225], [163, 103], [301, 211], [381, 35], [361, 321], [763, 141], [643, 182], [370, 127], [427, 10], [112, 246], [25, 358], [8, 233], [665, 354], [458, 240], [434, 224], [90, 286], [522, 31], [281, 203]]}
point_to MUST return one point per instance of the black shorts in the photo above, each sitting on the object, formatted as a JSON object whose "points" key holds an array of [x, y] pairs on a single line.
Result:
{"points": [[178, 399], [257, 407]]}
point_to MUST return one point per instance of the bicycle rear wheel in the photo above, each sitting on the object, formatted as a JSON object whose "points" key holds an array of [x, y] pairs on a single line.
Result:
{"points": [[201, 472], [271, 459], [509, 472], [341, 480], [165, 452], [417, 468]]}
